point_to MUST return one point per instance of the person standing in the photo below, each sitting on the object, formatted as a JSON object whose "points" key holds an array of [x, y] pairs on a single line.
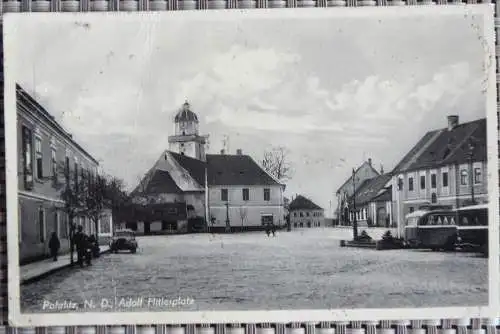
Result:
{"points": [[54, 245], [79, 240]]}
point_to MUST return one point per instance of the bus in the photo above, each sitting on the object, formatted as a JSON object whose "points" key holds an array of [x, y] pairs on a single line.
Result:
{"points": [[448, 229]]}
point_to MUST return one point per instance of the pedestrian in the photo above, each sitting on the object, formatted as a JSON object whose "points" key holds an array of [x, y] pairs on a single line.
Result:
{"points": [[273, 229], [54, 245], [79, 240], [268, 230], [89, 248]]}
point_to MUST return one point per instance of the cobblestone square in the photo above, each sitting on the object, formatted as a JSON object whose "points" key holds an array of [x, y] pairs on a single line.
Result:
{"points": [[302, 269]]}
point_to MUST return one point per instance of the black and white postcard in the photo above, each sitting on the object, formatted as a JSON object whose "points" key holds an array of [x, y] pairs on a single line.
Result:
{"points": [[251, 165]]}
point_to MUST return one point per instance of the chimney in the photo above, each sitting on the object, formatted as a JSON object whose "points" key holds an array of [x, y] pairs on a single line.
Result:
{"points": [[370, 161], [238, 151], [452, 122], [222, 152]]}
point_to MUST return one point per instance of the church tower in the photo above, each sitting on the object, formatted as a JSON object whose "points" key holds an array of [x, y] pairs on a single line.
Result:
{"points": [[186, 139]]}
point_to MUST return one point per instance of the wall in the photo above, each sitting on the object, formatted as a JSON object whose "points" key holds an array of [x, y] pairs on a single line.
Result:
{"points": [[250, 210], [365, 172], [308, 216], [455, 193], [31, 247]]}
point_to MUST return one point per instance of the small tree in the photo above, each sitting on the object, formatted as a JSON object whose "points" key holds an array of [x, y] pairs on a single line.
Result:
{"points": [[243, 215], [116, 196], [72, 194], [95, 189]]}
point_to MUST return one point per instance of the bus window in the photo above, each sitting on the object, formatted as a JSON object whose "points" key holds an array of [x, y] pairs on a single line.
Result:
{"points": [[465, 221], [439, 221], [445, 221], [452, 221]]}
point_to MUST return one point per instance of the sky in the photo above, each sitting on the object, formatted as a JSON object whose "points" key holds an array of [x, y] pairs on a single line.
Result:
{"points": [[332, 91]]}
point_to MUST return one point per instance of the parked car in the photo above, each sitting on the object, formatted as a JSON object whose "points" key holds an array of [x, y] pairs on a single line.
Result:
{"points": [[123, 240]]}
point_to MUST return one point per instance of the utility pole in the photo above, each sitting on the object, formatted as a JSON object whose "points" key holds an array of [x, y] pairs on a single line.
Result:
{"points": [[354, 220], [228, 225]]}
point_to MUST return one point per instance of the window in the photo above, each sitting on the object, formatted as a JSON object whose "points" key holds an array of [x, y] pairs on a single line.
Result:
{"points": [[295, 214], [54, 164], [267, 194], [223, 195], [400, 183], [433, 181], [463, 177], [444, 176], [76, 174], [410, 183], [27, 137], [41, 225], [477, 175], [63, 225], [307, 214], [422, 182], [39, 158], [301, 214], [246, 194], [411, 208], [66, 169]]}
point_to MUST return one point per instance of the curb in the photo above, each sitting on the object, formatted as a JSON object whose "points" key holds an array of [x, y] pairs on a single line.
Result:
{"points": [[51, 271]]}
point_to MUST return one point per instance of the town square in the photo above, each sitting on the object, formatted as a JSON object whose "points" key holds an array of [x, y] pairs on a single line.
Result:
{"points": [[255, 166]]}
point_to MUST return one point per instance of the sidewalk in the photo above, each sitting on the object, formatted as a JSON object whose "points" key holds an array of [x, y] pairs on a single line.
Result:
{"points": [[34, 271]]}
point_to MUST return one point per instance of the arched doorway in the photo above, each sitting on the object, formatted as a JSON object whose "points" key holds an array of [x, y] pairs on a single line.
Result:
{"points": [[308, 224]]}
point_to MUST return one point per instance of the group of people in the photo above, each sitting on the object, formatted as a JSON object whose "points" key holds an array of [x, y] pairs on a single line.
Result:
{"points": [[270, 228], [86, 246]]}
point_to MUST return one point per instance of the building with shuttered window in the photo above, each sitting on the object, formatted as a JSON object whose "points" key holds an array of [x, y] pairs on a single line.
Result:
{"points": [[48, 158]]}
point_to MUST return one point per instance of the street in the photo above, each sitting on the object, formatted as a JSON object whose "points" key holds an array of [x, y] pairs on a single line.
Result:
{"points": [[302, 269]]}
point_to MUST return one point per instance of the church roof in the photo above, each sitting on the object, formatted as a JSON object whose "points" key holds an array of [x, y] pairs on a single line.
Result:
{"points": [[223, 170], [185, 114]]}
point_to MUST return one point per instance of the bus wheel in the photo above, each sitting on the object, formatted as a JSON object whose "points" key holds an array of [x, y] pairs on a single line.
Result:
{"points": [[434, 249]]}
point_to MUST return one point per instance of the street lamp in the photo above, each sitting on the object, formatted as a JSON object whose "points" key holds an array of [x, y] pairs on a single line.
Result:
{"points": [[354, 220]]}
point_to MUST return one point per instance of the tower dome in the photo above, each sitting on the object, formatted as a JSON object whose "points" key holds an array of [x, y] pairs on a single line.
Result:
{"points": [[185, 114]]}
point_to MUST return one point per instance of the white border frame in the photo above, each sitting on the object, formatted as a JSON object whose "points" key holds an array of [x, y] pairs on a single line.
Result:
{"points": [[16, 318]]}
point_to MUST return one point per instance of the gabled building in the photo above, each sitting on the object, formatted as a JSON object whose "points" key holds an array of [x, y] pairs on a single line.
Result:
{"points": [[305, 213], [48, 159], [364, 172], [226, 191], [447, 167], [373, 202]]}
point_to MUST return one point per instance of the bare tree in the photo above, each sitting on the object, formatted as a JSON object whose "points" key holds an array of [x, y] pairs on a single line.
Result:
{"points": [[72, 194], [95, 189], [276, 163], [243, 215], [116, 196]]}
